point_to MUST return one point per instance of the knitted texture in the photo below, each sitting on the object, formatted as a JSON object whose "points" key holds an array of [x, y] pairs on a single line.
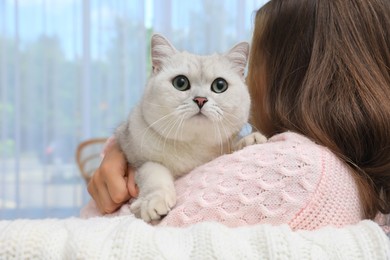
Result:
{"points": [[130, 238], [289, 179]]}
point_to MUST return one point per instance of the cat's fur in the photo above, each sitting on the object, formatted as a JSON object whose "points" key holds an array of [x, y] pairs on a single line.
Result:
{"points": [[168, 134]]}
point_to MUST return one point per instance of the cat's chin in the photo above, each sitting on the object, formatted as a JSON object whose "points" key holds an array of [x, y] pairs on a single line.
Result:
{"points": [[201, 118]]}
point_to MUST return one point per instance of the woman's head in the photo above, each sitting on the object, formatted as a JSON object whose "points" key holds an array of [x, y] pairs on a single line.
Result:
{"points": [[322, 68]]}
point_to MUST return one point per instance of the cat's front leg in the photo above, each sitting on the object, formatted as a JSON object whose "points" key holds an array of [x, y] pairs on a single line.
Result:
{"points": [[253, 138], [157, 193]]}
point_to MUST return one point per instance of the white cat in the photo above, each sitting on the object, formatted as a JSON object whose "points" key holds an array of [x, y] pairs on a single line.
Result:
{"points": [[192, 110]]}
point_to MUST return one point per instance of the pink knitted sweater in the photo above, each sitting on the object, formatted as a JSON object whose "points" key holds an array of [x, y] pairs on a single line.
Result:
{"points": [[289, 179]]}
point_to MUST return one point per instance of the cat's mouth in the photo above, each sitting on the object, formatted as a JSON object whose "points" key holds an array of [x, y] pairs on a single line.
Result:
{"points": [[200, 115]]}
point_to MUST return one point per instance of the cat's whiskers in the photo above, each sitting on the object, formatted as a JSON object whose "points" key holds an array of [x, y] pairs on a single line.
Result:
{"points": [[179, 127], [220, 139], [162, 120], [235, 117], [215, 127], [214, 113], [219, 136], [163, 128], [185, 109], [170, 130], [157, 133], [182, 132], [153, 104], [227, 137], [218, 110], [235, 130]]}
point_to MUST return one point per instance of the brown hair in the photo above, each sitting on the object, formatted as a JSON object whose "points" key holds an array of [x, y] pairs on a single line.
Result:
{"points": [[322, 69]]}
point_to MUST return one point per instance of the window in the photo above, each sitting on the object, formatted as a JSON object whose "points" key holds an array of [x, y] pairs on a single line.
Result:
{"points": [[72, 70]]}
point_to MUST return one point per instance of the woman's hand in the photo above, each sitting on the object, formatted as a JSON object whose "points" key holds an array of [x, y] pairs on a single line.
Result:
{"points": [[112, 184]]}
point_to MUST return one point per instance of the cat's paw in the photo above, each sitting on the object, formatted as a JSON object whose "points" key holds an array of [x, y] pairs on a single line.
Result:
{"points": [[153, 206], [253, 138]]}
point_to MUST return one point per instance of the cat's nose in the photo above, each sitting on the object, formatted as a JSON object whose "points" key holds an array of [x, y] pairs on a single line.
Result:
{"points": [[200, 101]]}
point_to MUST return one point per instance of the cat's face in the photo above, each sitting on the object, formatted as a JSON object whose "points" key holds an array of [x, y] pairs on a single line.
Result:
{"points": [[196, 97]]}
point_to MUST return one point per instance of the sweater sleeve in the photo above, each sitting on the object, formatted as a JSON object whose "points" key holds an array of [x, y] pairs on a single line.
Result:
{"points": [[275, 183]]}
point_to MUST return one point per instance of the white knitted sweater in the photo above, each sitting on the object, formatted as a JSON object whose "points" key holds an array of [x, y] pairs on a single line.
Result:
{"points": [[129, 238]]}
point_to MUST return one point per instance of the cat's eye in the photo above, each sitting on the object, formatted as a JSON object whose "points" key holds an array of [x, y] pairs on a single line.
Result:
{"points": [[219, 85], [181, 83]]}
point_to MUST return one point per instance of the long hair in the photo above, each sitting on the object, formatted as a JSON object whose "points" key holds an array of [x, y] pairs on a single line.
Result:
{"points": [[322, 69]]}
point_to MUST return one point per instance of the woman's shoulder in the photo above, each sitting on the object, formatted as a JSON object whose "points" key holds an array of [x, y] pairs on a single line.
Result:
{"points": [[295, 140], [321, 185], [285, 154], [335, 191], [281, 181], [286, 147], [290, 146]]}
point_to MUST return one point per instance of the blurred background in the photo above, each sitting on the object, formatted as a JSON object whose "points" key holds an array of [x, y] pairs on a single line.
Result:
{"points": [[71, 70]]}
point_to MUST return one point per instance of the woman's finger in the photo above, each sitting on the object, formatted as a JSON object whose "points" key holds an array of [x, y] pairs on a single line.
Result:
{"points": [[98, 189], [131, 185], [116, 188], [94, 192]]}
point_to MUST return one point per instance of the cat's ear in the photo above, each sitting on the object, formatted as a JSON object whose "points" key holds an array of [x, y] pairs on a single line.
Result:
{"points": [[238, 55], [161, 49]]}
